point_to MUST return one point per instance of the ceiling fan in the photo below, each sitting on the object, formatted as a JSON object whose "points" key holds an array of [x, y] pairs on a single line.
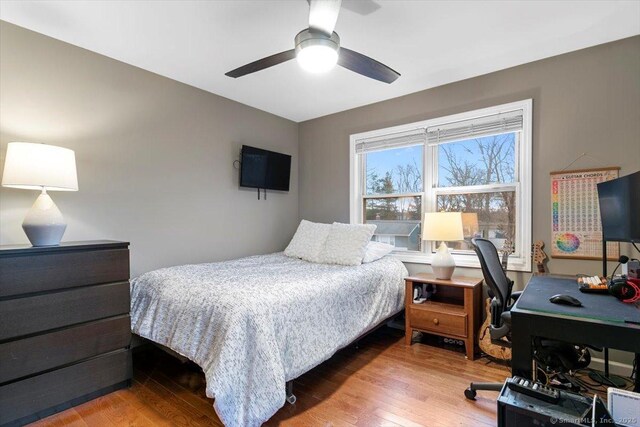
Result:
{"points": [[318, 49]]}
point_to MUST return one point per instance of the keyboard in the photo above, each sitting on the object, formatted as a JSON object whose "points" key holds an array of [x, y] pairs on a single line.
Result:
{"points": [[593, 284]]}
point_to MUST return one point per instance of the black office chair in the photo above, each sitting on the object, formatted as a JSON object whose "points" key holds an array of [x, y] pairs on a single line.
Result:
{"points": [[553, 355]]}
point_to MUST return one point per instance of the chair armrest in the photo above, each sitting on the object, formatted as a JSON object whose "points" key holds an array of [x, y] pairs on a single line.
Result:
{"points": [[515, 295]]}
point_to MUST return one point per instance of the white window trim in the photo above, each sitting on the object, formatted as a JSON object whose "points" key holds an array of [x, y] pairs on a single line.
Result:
{"points": [[523, 187]]}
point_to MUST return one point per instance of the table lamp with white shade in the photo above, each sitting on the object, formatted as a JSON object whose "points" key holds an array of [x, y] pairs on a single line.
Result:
{"points": [[46, 168], [443, 227]]}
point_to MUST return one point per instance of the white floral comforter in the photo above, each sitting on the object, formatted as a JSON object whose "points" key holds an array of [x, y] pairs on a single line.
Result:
{"points": [[254, 323]]}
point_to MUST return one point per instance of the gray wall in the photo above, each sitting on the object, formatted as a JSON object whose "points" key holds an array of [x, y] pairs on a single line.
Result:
{"points": [[586, 101], [154, 156]]}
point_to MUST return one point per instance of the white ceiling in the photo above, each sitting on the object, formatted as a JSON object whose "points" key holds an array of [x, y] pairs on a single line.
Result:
{"points": [[429, 42]]}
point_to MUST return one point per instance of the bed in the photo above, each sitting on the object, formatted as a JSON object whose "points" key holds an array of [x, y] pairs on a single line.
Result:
{"points": [[255, 323]]}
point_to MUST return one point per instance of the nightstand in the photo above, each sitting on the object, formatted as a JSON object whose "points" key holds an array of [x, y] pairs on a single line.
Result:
{"points": [[455, 310]]}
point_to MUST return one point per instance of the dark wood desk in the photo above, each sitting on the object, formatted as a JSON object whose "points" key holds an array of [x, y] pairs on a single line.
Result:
{"points": [[602, 322]]}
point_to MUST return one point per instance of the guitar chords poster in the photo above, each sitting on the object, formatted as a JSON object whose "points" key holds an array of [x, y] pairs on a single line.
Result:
{"points": [[576, 231]]}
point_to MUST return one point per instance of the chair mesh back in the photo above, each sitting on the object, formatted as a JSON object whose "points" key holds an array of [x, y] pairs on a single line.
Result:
{"points": [[492, 271]]}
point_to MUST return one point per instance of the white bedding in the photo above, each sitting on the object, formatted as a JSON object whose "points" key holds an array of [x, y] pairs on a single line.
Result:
{"points": [[254, 323]]}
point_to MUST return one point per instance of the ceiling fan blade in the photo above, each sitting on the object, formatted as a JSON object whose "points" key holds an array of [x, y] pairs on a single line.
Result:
{"points": [[263, 63], [323, 15], [369, 67]]}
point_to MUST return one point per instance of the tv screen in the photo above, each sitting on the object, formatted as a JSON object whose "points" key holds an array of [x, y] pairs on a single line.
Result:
{"points": [[619, 201], [264, 169]]}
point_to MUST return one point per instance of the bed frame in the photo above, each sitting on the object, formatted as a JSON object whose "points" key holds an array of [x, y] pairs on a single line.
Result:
{"points": [[291, 398]]}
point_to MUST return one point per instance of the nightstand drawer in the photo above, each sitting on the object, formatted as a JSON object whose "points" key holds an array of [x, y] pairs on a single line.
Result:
{"points": [[438, 322]]}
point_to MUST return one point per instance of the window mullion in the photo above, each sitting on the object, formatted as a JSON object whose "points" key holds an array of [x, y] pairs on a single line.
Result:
{"points": [[431, 178], [391, 195], [475, 189], [516, 153], [363, 186], [519, 241]]}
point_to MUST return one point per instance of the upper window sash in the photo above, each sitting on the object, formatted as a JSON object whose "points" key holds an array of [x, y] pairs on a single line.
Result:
{"points": [[406, 138], [463, 157], [476, 127]]}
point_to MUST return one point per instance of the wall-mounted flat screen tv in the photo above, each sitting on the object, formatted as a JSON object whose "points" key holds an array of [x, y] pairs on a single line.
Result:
{"points": [[619, 201], [264, 169]]}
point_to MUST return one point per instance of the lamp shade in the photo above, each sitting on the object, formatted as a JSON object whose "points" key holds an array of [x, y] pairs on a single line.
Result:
{"points": [[470, 224], [36, 166], [442, 226]]}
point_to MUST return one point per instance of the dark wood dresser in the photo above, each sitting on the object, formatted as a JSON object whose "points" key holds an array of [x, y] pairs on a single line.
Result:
{"points": [[64, 326]]}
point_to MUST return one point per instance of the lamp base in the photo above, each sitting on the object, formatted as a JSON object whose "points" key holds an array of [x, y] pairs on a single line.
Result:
{"points": [[44, 224], [443, 264]]}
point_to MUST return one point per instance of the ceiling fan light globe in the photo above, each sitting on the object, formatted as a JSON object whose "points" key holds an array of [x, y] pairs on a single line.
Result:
{"points": [[316, 51], [317, 58]]}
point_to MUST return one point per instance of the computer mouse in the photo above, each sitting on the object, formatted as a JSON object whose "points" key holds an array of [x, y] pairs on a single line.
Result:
{"points": [[565, 300]]}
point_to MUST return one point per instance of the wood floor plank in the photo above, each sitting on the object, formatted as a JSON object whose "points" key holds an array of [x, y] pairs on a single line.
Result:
{"points": [[372, 420], [382, 382], [167, 404], [132, 399], [187, 390], [412, 407], [68, 418], [112, 411]]}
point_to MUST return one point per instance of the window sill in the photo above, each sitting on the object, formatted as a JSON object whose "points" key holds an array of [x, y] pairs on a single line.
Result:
{"points": [[468, 261]]}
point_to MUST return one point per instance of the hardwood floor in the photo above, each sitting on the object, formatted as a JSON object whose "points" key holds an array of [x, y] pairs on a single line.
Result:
{"points": [[380, 383]]}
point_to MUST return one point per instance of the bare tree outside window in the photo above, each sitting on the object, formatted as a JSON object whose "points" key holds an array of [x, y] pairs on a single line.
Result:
{"points": [[393, 172], [395, 182], [474, 162]]}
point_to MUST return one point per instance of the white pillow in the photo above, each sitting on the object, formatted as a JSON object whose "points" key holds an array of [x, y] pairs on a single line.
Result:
{"points": [[376, 250], [308, 241], [346, 243]]}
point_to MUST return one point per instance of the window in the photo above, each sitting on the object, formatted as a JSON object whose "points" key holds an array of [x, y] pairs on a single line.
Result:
{"points": [[393, 195], [477, 163], [477, 177]]}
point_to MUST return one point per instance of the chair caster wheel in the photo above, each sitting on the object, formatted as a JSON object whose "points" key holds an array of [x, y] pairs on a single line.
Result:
{"points": [[291, 399], [470, 394]]}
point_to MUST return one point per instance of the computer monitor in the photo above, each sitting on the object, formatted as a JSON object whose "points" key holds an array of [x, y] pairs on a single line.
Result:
{"points": [[620, 208]]}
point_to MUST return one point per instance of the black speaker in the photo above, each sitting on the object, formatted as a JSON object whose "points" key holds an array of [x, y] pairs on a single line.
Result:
{"points": [[519, 410]]}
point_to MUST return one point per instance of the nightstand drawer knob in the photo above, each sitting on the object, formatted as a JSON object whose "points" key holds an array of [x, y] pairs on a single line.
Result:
{"points": [[436, 321]]}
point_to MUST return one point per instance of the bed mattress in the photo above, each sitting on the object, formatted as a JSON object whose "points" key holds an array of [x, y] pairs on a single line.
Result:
{"points": [[254, 323]]}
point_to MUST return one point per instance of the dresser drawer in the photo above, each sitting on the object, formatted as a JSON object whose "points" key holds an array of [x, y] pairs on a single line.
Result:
{"points": [[24, 398], [24, 274], [438, 322], [29, 315], [29, 356]]}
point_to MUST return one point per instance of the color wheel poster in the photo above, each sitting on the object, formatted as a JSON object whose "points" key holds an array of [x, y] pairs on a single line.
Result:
{"points": [[576, 231]]}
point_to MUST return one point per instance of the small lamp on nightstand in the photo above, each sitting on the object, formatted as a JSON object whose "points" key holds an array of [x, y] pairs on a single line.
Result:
{"points": [[443, 227], [41, 167]]}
